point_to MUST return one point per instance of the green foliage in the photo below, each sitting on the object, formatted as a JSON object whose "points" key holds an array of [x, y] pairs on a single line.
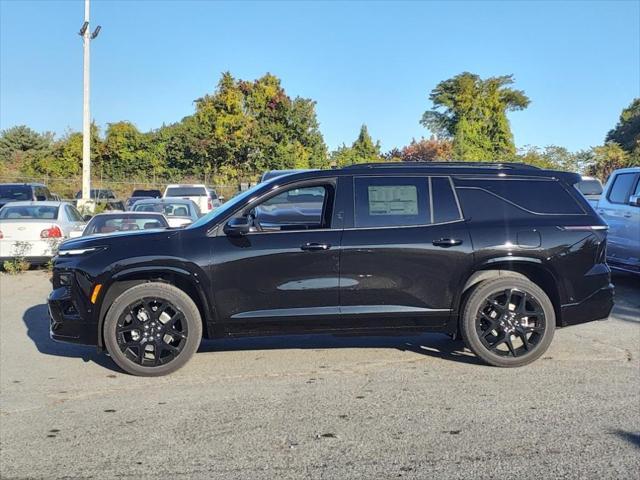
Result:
{"points": [[627, 132], [474, 115], [552, 157], [363, 150], [606, 158], [17, 264]]}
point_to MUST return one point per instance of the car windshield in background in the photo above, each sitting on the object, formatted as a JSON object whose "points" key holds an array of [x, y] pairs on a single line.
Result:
{"points": [[169, 209], [147, 193], [15, 192], [32, 212], [125, 223], [186, 192]]}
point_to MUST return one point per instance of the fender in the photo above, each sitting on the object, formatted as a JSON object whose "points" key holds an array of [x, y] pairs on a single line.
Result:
{"points": [[141, 269]]}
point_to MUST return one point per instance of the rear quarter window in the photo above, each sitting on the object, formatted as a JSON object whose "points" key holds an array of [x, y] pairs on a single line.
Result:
{"points": [[534, 197]]}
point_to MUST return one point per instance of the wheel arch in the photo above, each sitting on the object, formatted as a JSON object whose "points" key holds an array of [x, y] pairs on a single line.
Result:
{"points": [[178, 277], [532, 270]]}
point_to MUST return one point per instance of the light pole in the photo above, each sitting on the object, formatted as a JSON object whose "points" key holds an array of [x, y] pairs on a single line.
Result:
{"points": [[86, 115]]}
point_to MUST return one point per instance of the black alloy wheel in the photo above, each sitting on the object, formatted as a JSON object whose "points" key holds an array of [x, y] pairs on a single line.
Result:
{"points": [[508, 321], [152, 332], [152, 329]]}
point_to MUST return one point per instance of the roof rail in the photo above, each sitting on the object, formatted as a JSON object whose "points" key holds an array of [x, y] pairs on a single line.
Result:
{"points": [[510, 165]]}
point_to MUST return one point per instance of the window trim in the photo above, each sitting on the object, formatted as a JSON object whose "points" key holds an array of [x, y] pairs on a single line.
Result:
{"points": [[429, 184]]}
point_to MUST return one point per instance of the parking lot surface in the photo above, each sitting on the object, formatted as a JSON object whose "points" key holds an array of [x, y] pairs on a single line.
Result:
{"points": [[320, 406]]}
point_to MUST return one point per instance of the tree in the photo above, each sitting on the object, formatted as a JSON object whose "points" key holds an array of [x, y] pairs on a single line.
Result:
{"points": [[472, 112], [431, 150], [363, 150], [627, 132], [17, 143], [607, 158]]}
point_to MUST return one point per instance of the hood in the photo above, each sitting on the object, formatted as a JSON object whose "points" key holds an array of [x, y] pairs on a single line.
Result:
{"points": [[92, 241]]}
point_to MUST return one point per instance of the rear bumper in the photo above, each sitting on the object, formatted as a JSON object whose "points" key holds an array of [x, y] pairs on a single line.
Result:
{"points": [[596, 306], [66, 325]]}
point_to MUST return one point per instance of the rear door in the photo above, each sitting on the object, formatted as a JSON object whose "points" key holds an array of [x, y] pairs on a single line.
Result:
{"points": [[404, 253]]}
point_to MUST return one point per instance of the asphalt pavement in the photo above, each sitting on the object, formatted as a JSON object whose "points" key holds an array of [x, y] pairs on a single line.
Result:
{"points": [[320, 406]]}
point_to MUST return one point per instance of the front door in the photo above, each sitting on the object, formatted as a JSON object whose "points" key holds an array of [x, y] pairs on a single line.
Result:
{"points": [[404, 254], [285, 271]]}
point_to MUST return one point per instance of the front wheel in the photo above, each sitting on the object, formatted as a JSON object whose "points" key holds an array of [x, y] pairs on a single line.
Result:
{"points": [[152, 329], [508, 322]]}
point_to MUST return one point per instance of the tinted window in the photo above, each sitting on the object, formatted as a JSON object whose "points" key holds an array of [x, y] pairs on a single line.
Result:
{"points": [[536, 196], [589, 187], [73, 214], [15, 192], [29, 212], [186, 192], [480, 205], [445, 208], [387, 202], [146, 193], [293, 209], [621, 187]]}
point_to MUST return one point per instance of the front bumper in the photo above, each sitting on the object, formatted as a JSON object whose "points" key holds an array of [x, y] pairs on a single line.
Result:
{"points": [[596, 306], [66, 324]]}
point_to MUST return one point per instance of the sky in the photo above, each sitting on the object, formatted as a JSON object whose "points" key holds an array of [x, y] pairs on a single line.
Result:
{"points": [[362, 62]]}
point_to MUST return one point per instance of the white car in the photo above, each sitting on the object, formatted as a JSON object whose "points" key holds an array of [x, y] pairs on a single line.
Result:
{"points": [[198, 193], [33, 230]]}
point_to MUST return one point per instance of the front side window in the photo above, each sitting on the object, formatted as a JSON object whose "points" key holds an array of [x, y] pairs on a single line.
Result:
{"points": [[391, 201], [304, 208], [621, 188]]}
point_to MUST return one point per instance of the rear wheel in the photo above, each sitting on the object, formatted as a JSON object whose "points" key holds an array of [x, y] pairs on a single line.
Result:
{"points": [[508, 322], [152, 329]]}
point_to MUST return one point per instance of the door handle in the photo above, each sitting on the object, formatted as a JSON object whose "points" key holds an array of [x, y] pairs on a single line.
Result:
{"points": [[627, 215], [447, 242], [314, 247]]}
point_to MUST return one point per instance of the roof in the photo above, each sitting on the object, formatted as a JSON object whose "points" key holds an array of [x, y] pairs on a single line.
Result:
{"points": [[147, 201], [27, 203]]}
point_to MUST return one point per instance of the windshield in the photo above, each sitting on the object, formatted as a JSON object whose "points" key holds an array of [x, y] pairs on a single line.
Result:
{"points": [[226, 207], [590, 187], [15, 192], [169, 209], [36, 212], [186, 192], [122, 223]]}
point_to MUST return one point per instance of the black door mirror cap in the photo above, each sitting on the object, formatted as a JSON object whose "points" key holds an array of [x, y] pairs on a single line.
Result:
{"points": [[238, 226]]}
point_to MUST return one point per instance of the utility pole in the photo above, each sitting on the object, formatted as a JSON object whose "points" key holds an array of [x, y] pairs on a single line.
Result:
{"points": [[86, 114]]}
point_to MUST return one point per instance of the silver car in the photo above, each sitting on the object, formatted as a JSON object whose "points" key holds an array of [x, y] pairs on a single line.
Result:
{"points": [[179, 212], [619, 206]]}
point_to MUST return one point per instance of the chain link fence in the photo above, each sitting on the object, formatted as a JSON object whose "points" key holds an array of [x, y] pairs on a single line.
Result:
{"points": [[67, 188]]}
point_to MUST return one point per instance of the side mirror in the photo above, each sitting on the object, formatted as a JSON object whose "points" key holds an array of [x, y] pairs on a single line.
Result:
{"points": [[221, 198], [86, 218], [237, 226], [634, 200]]}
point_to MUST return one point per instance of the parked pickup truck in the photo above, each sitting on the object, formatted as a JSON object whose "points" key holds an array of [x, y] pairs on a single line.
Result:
{"points": [[619, 206]]}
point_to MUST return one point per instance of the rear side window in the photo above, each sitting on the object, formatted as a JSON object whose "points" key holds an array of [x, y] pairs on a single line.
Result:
{"points": [[621, 188], [533, 196], [445, 206], [391, 201], [186, 192]]}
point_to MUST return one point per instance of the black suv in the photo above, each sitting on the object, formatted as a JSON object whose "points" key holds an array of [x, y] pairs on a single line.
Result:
{"points": [[501, 254]]}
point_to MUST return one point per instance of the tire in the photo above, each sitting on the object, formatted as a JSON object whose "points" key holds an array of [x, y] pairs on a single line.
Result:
{"points": [[152, 329], [502, 330]]}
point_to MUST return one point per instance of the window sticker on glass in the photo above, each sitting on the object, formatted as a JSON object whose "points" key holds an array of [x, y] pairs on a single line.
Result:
{"points": [[393, 200]]}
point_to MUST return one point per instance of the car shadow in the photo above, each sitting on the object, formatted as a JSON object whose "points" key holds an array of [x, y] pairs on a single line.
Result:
{"points": [[36, 319], [428, 344], [632, 438]]}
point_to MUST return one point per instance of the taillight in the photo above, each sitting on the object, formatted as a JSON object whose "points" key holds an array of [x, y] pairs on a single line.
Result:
{"points": [[53, 232], [210, 204]]}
